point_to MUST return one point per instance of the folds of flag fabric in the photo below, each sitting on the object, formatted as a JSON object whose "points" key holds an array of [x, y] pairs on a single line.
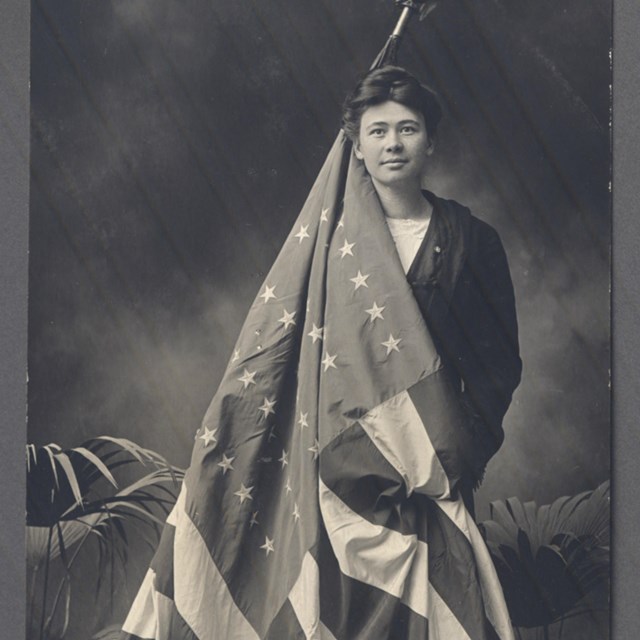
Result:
{"points": [[321, 497]]}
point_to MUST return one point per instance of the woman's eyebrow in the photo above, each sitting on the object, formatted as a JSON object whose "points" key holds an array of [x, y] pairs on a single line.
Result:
{"points": [[379, 123], [382, 123]]}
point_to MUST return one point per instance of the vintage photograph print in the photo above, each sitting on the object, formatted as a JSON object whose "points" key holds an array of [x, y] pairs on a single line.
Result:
{"points": [[319, 320]]}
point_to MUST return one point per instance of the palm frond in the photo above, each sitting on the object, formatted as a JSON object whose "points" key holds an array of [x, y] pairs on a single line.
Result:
{"points": [[60, 482], [63, 497], [63, 459], [141, 454], [99, 464], [49, 450], [549, 558], [592, 515]]}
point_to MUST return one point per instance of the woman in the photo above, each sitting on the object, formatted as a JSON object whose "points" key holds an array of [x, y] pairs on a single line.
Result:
{"points": [[455, 263], [365, 394]]}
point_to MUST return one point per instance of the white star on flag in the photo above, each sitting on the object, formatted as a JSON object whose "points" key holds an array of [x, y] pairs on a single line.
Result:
{"points": [[283, 459], [360, 280], [302, 234], [244, 493], [288, 486], [303, 420], [268, 293], [268, 545], [345, 249], [315, 449], [340, 224], [254, 519], [247, 378], [267, 407], [209, 436], [236, 355], [272, 434], [375, 312], [391, 344], [315, 333], [323, 215], [287, 318], [328, 361], [296, 512], [226, 464]]}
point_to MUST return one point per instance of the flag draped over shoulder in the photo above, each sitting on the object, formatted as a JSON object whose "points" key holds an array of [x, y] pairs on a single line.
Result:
{"points": [[320, 499]]}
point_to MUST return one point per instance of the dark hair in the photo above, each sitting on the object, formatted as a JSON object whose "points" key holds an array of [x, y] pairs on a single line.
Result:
{"points": [[390, 83]]}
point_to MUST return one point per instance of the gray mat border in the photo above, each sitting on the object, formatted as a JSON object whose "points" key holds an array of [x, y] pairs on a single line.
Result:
{"points": [[14, 180], [14, 191], [626, 307]]}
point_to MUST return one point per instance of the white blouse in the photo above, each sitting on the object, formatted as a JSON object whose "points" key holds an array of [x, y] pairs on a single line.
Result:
{"points": [[408, 234]]}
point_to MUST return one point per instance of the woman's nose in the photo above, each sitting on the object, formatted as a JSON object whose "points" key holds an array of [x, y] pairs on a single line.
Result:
{"points": [[393, 142]]}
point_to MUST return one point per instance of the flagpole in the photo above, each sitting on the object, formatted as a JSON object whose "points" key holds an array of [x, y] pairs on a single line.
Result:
{"points": [[409, 7], [421, 7], [405, 16]]}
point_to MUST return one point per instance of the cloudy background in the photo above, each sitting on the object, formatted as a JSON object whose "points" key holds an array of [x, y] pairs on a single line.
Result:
{"points": [[173, 144]]}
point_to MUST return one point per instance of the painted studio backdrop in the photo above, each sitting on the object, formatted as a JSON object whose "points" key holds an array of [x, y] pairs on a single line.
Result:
{"points": [[173, 145]]}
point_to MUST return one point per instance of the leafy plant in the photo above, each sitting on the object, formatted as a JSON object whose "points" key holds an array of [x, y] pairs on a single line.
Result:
{"points": [[72, 495], [550, 559]]}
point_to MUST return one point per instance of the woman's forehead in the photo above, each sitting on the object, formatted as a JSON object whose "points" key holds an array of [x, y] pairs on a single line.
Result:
{"points": [[389, 112]]}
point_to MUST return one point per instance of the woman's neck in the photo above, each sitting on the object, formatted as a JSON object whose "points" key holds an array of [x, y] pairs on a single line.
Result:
{"points": [[404, 203]]}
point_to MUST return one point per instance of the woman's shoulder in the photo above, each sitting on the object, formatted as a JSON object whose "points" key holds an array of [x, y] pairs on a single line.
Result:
{"points": [[461, 220]]}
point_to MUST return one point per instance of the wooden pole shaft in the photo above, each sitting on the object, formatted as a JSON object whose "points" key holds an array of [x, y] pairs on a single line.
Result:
{"points": [[402, 22]]}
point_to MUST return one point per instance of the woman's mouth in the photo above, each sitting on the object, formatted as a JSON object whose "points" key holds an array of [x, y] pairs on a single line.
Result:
{"points": [[395, 161]]}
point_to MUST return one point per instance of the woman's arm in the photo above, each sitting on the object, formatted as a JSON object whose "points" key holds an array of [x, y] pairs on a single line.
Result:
{"points": [[485, 354]]}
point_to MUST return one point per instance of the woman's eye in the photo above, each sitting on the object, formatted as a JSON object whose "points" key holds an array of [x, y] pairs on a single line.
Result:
{"points": [[408, 129], [376, 132]]}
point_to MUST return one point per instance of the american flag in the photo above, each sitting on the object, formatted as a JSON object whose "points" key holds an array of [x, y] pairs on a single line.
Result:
{"points": [[320, 501]]}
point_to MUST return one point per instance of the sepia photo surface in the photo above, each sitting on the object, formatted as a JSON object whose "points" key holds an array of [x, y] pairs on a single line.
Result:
{"points": [[173, 147]]}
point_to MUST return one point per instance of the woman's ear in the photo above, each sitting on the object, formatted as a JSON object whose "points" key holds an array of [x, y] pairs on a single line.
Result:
{"points": [[356, 149], [431, 146]]}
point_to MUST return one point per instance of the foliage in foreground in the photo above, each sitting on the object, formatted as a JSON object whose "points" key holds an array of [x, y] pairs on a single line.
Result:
{"points": [[73, 496], [552, 559]]}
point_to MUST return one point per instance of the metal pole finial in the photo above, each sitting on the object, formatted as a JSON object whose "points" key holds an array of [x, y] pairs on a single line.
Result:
{"points": [[389, 53], [410, 7]]}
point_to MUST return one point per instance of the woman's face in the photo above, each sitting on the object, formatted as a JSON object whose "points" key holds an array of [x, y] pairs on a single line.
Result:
{"points": [[394, 145]]}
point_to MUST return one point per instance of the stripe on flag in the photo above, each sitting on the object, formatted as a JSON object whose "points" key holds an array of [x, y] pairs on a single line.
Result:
{"points": [[443, 624], [141, 621], [360, 540], [325, 634], [154, 616], [442, 416], [396, 428], [353, 610], [305, 597], [162, 563], [286, 625], [347, 466], [380, 557], [453, 572], [200, 590], [492, 594]]}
